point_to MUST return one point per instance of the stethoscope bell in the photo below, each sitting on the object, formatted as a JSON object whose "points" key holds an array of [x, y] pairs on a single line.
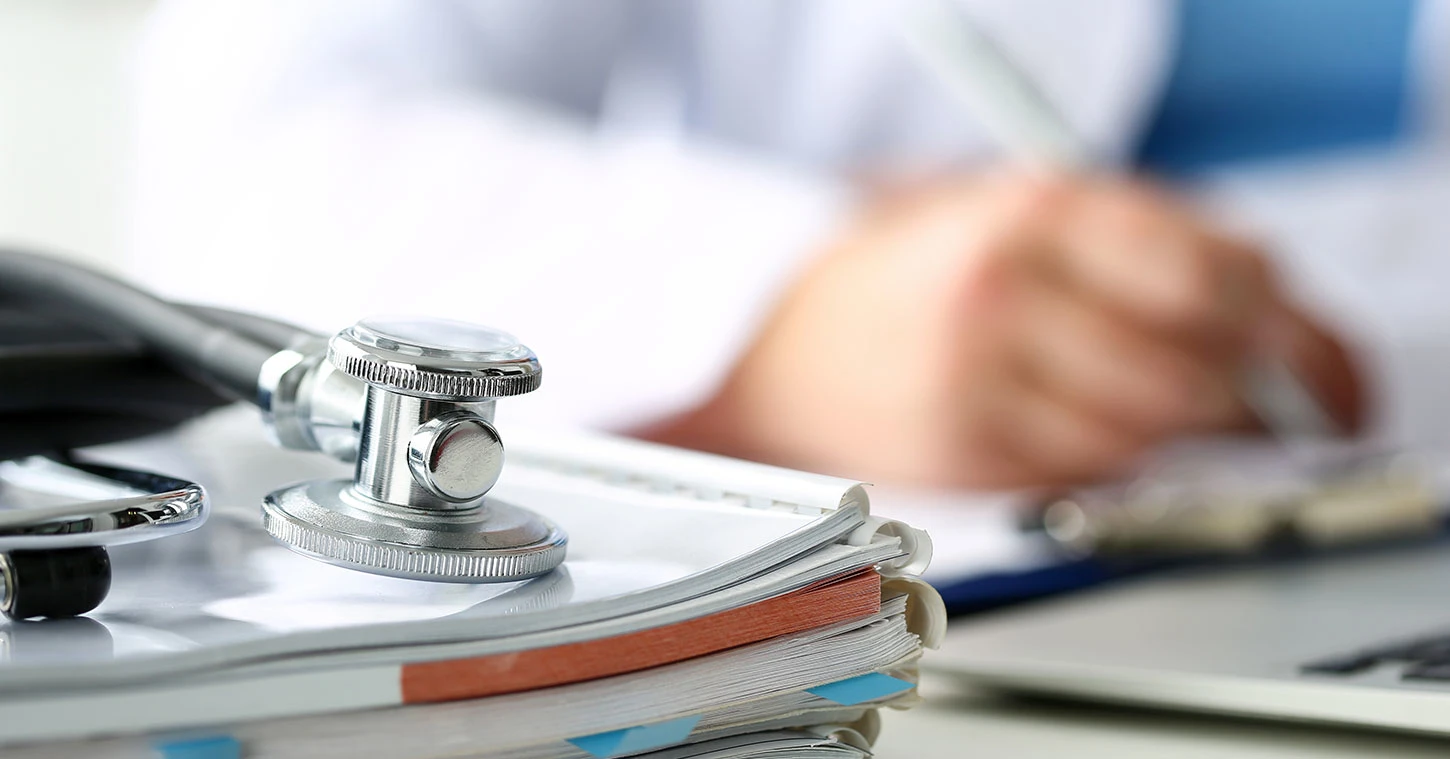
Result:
{"points": [[427, 456]]}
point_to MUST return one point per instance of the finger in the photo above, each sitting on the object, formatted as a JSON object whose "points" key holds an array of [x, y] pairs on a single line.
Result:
{"points": [[1158, 265], [1057, 442], [1247, 289], [1324, 364], [1120, 372]]}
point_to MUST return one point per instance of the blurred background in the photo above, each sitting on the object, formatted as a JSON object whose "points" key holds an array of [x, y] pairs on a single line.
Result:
{"points": [[671, 183], [66, 103]]}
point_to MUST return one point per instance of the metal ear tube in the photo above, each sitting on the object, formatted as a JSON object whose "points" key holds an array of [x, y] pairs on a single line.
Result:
{"points": [[53, 558]]}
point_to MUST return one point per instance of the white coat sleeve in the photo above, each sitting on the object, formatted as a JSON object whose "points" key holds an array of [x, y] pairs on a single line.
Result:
{"points": [[320, 164]]}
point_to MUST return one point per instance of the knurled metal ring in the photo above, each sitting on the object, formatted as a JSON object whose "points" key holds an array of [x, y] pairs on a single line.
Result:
{"points": [[413, 380], [496, 543]]}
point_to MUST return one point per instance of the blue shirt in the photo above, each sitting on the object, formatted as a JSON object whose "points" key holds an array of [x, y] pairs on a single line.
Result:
{"points": [[1258, 79]]}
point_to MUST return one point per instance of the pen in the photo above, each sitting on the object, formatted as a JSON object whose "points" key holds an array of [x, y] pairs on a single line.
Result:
{"points": [[983, 77]]}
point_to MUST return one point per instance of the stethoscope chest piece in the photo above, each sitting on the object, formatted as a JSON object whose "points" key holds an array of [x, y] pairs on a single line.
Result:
{"points": [[428, 454]]}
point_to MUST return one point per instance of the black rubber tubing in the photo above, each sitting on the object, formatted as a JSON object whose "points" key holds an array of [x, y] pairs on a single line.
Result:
{"points": [[273, 333], [225, 358]]}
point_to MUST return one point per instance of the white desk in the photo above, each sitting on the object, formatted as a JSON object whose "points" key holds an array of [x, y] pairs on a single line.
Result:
{"points": [[956, 722]]}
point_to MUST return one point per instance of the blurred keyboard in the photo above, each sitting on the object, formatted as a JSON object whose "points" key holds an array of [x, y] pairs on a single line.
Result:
{"points": [[1422, 658]]}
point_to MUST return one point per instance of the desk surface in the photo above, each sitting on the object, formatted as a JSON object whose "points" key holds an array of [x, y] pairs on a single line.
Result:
{"points": [[956, 721]]}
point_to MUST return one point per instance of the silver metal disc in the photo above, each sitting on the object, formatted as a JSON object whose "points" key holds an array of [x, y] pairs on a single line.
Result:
{"points": [[495, 542]]}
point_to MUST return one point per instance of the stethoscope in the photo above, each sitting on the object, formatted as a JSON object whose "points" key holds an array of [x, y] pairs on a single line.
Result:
{"points": [[409, 401]]}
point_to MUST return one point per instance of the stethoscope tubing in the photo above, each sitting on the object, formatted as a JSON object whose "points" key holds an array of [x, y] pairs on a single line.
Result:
{"points": [[92, 359], [221, 349]]}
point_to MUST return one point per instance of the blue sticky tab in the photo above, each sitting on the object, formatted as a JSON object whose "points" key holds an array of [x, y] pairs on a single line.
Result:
{"points": [[210, 747], [861, 689], [633, 740]]}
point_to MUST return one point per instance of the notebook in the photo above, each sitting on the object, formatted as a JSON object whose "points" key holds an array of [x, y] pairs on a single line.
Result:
{"points": [[829, 674], [697, 590]]}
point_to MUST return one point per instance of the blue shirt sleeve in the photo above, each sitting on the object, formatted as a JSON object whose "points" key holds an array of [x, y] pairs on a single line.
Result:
{"points": [[1262, 79]]}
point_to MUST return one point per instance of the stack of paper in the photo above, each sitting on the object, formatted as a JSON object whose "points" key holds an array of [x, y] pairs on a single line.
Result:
{"points": [[707, 608]]}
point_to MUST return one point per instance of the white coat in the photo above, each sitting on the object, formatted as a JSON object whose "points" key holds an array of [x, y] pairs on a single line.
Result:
{"points": [[552, 168]]}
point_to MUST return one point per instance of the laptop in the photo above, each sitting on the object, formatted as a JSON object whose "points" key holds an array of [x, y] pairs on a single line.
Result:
{"points": [[1358, 639]]}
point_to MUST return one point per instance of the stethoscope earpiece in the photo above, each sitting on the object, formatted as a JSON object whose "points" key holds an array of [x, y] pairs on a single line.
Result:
{"points": [[60, 582], [53, 559]]}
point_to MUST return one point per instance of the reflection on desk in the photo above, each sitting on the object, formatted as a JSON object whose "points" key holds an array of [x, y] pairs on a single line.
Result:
{"points": [[958, 721]]}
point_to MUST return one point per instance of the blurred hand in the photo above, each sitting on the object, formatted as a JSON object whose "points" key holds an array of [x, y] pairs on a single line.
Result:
{"points": [[1013, 330]]}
